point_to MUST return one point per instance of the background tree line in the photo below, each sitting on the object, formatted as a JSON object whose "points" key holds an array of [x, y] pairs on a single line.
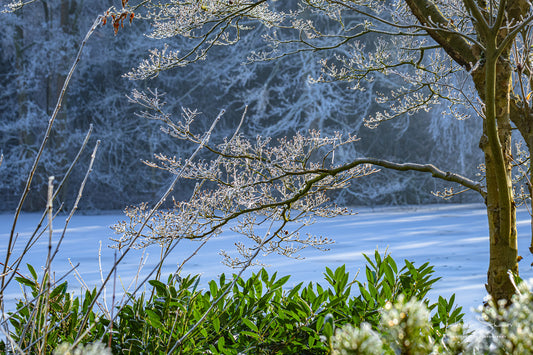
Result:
{"points": [[36, 48]]}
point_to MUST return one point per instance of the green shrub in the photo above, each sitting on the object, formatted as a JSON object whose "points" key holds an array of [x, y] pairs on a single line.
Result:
{"points": [[61, 316], [257, 315]]}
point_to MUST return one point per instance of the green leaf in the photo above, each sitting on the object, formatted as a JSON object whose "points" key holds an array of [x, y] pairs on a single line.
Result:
{"points": [[250, 324], [329, 273], [25, 281], [160, 287], [392, 263], [153, 319], [411, 268], [67, 304], [389, 274], [377, 257], [221, 344], [366, 295], [328, 330], [320, 323], [456, 315], [294, 290], [264, 276], [32, 271], [274, 276], [59, 289], [258, 286], [370, 275], [216, 324], [213, 288], [281, 282], [369, 261], [311, 341], [203, 332], [250, 334], [373, 291]]}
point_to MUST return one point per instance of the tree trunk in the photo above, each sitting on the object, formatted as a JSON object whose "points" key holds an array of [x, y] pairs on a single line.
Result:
{"points": [[492, 78], [503, 245], [493, 82]]}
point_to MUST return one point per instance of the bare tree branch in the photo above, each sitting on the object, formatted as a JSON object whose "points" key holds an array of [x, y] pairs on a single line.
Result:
{"points": [[455, 45]]}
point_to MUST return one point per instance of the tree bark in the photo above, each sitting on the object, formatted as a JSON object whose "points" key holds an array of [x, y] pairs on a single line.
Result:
{"points": [[492, 78], [501, 210]]}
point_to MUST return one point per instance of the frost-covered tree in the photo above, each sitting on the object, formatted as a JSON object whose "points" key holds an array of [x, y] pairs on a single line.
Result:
{"points": [[470, 55], [38, 46]]}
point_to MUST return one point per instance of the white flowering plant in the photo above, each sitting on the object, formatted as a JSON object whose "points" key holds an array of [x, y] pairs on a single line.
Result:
{"points": [[406, 328]]}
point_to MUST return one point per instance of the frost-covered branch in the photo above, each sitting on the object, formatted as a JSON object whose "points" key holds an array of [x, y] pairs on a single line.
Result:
{"points": [[209, 23], [45, 139], [401, 49], [424, 168], [251, 182], [15, 5], [147, 216]]}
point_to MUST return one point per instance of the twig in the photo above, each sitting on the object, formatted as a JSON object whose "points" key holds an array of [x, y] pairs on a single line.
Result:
{"points": [[34, 237], [171, 246], [112, 305], [154, 209], [47, 274], [29, 180], [78, 198]]}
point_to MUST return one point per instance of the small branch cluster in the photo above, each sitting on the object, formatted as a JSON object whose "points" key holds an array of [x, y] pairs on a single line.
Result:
{"points": [[15, 5], [415, 81], [208, 22], [117, 17], [262, 187]]}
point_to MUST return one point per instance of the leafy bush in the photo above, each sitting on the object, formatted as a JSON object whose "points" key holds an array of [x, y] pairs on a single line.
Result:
{"points": [[62, 311], [261, 315], [257, 315]]}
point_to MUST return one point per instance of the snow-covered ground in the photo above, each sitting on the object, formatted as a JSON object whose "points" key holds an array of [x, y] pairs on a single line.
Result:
{"points": [[453, 238]]}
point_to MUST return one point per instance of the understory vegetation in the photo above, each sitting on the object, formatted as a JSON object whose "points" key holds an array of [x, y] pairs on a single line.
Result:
{"points": [[258, 315], [387, 313]]}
